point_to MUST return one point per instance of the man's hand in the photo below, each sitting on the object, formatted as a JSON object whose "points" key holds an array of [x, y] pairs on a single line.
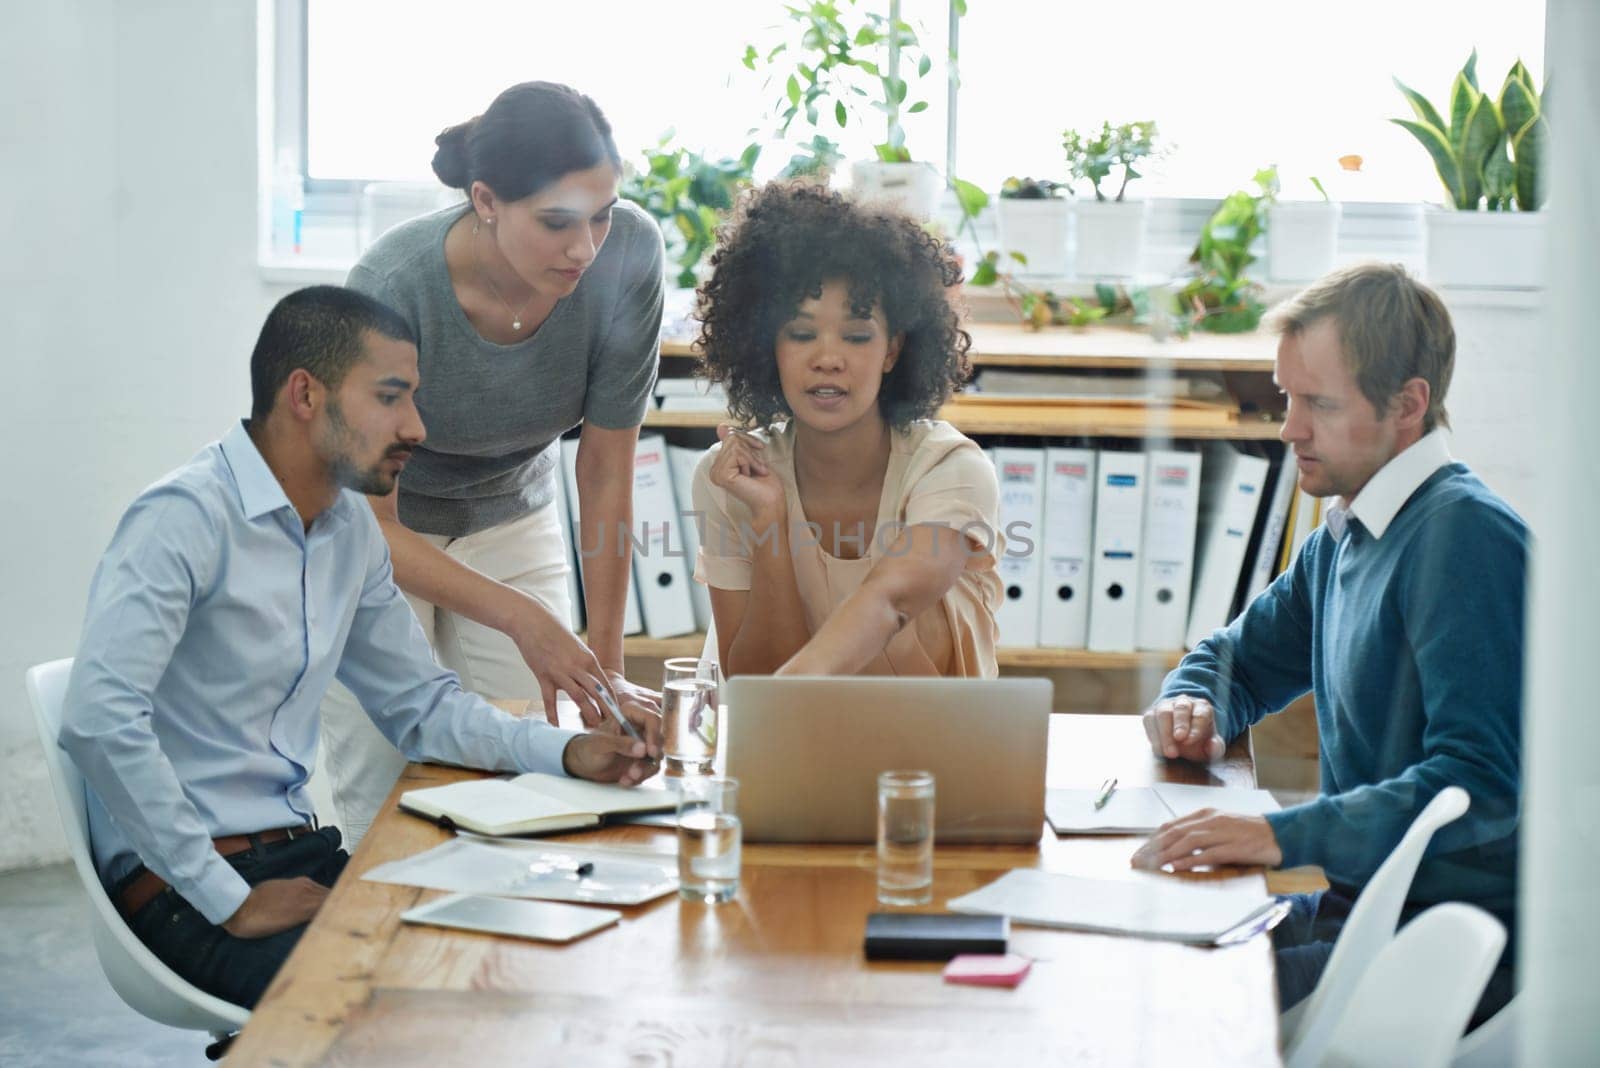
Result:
{"points": [[276, 905], [607, 755], [1208, 838], [1184, 728]]}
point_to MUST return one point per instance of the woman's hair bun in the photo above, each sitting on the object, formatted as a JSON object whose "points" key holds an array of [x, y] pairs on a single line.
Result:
{"points": [[450, 161]]}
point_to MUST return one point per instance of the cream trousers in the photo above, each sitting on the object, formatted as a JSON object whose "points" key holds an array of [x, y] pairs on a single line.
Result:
{"points": [[529, 554]]}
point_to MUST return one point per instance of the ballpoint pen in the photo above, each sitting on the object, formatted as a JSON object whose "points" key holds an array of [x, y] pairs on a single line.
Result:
{"points": [[611, 706], [550, 863], [1105, 793]]}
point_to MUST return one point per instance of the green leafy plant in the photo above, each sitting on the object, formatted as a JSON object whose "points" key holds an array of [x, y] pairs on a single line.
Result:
{"points": [[839, 63], [1489, 153], [1092, 156], [689, 195], [1218, 297], [1317, 184], [1030, 189], [815, 159]]}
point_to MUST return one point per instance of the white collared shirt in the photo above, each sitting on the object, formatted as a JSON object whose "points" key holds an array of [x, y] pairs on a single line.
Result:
{"points": [[1387, 491]]}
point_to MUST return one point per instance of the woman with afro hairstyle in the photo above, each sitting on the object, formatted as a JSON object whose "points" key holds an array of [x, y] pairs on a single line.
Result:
{"points": [[847, 531]]}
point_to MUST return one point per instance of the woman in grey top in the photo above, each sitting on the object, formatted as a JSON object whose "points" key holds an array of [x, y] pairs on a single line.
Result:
{"points": [[537, 305]]}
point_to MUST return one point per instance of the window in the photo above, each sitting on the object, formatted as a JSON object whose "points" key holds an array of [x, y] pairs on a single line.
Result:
{"points": [[384, 77], [1231, 87], [363, 86]]}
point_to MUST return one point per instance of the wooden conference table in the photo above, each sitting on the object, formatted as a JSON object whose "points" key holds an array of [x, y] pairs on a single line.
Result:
{"points": [[775, 977]]}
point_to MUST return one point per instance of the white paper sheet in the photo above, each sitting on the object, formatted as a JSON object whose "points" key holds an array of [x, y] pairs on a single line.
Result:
{"points": [[473, 865], [1141, 809], [1158, 907]]}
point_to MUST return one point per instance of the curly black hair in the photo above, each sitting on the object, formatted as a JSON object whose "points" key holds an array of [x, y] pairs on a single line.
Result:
{"points": [[784, 241]]}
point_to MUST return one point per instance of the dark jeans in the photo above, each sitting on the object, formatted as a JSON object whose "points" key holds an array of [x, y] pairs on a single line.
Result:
{"points": [[237, 970], [1304, 940]]}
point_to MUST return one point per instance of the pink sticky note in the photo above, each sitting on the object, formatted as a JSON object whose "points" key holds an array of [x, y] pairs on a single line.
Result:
{"points": [[987, 969]]}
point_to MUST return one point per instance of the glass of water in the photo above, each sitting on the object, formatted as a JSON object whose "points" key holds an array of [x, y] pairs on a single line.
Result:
{"points": [[708, 839], [690, 691], [905, 837]]}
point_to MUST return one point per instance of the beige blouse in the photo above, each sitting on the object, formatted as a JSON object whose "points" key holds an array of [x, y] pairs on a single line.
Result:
{"points": [[936, 475]]}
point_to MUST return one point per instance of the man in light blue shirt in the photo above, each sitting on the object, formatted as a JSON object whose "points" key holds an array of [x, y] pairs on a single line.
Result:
{"points": [[233, 592]]}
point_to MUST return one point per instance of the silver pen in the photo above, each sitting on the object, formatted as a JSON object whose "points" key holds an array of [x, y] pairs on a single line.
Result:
{"points": [[611, 706], [1105, 794]]}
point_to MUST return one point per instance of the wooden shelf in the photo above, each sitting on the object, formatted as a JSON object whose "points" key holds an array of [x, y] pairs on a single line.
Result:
{"points": [[1057, 421], [692, 644], [663, 648], [1105, 347]]}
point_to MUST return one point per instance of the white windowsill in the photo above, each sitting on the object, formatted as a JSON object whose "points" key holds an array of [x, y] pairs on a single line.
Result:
{"points": [[1387, 232]]}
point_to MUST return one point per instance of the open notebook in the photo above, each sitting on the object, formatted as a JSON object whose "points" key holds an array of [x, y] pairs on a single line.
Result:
{"points": [[534, 803], [1159, 907], [1141, 809]]}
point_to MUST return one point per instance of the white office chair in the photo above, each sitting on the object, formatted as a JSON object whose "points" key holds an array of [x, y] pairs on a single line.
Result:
{"points": [[1494, 1043], [1303, 1030], [1410, 1007], [148, 986]]}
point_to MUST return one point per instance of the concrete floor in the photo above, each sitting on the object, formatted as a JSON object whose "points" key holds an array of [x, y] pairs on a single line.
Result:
{"points": [[56, 1007]]}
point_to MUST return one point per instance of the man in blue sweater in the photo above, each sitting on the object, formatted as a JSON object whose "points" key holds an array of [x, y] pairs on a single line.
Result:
{"points": [[1402, 614]]}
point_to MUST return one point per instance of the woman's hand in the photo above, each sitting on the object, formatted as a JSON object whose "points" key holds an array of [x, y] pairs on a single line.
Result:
{"points": [[641, 706], [559, 661], [741, 469]]}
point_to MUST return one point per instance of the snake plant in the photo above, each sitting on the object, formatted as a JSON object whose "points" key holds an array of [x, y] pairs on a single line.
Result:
{"points": [[1490, 152]]}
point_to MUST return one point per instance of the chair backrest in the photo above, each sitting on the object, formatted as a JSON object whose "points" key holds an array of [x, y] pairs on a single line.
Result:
{"points": [[148, 986], [1494, 1043], [1414, 1000], [1369, 927]]}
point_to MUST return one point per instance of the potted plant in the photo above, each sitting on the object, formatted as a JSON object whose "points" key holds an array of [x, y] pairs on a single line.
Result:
{"points": [[1110, 228], [1488, 156], [1218, 297], [1035, 223], [840, 65], [1303, 236], [688, 195]]}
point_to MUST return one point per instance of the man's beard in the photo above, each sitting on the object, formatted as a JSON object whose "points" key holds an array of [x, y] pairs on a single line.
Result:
{"points": [[343, 468]]}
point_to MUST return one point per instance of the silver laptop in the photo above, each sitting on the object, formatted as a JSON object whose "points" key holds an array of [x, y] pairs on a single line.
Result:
{"points": [[807, 753]]}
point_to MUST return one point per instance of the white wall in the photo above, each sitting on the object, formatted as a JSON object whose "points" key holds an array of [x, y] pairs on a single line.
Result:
{"points": [[129, 301], [1500, 390], [1560, 940]]}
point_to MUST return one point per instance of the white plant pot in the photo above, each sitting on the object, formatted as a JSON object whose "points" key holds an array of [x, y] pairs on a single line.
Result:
{"points": [[912, 187], [1110, 238], [1302, 239], [1485, 249], [1039, 230]]}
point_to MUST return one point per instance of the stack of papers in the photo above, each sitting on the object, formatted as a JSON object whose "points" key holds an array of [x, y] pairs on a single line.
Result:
{"points": [[1141, 809], [1158, 907], [691, 395], [1062, 387]]}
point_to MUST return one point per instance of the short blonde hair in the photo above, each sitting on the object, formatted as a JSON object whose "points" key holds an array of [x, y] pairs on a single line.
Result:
{"points": [[1392, 328]]}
